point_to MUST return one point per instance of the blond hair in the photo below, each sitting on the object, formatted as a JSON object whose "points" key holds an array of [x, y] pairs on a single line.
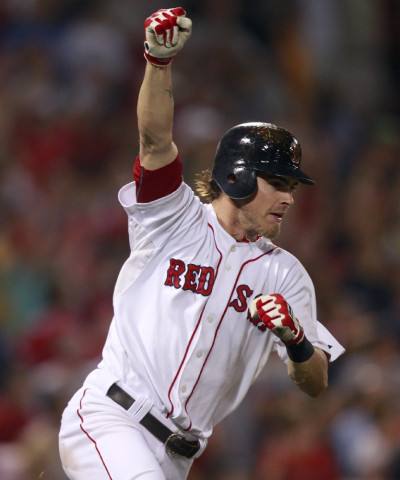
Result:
{"points": [[206, 187]]}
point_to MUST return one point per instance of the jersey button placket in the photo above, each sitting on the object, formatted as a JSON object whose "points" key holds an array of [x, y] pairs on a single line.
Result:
{"points": [[228, 267]]}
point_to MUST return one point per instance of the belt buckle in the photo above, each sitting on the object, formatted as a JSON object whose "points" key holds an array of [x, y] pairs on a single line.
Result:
{"points": [[178, 444], [171, 442]]}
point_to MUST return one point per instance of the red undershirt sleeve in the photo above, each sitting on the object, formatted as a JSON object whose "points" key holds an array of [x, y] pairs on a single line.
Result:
{"points": [[154, 184]]}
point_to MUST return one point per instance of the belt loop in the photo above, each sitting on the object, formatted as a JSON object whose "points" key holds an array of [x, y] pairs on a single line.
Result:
{"points": [[175, 443], [137, 408], [140, 408]]}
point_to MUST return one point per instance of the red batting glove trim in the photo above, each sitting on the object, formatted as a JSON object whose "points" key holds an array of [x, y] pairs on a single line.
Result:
{"points": [[288, 321], [169, 13], [158, 62], [178, 11], [154, 184]]}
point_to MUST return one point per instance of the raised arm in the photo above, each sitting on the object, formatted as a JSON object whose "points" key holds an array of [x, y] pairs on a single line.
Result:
{"points": [[166, 32], [155, 110]]}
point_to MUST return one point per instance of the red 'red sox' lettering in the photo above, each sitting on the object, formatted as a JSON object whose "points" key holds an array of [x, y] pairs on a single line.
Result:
{"points": [[176, 268], [196, 278], [243, 293]]}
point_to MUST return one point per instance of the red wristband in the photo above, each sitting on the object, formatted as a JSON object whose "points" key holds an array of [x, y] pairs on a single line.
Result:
{"points": [[154, 184]]}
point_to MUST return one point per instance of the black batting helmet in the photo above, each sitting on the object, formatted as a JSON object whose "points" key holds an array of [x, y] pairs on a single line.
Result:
{"points": [[253, 148]]}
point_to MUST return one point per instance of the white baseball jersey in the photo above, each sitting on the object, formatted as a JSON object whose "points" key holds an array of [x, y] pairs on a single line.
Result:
{"points": [[181, 338]]}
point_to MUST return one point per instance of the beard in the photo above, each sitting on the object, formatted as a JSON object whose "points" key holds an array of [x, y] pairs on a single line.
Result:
{"points": [[255, 229], [273, 232]]}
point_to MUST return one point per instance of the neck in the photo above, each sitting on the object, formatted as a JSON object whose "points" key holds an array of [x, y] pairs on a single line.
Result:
{"points": [[228, 216]]}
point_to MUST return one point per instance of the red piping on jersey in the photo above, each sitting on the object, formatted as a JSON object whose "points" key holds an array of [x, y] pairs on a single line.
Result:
{"points": [[194, 332], [218, 327], [89, 437]]}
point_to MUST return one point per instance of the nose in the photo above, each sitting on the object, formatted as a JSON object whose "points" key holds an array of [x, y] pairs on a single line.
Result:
{"points": [[287, 198]]}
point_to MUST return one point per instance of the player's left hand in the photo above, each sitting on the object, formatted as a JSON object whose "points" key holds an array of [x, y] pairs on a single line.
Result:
{"points": [[275, 313], [166, 32]]}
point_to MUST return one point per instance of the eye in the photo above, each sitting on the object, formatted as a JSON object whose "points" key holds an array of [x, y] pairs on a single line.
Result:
{"points": [[275, 182], [282, 184], [279, 184]]}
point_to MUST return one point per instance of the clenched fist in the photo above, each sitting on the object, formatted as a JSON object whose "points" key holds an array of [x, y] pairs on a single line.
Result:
{"points": [[273, 312], [166, 32]]}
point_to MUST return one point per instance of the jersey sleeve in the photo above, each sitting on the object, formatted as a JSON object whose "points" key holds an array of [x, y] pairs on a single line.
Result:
{"points": [[152, 223], [297, 288], [158, 204]]}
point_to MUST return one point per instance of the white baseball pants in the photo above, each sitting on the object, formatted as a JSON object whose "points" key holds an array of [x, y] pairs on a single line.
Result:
{"points": [[99, 440]]}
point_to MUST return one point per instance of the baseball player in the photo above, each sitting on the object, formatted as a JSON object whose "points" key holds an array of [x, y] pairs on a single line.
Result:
{"points": [[202, 300]]}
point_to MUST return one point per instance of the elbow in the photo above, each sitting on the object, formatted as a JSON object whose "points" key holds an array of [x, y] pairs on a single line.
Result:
{"points": [[155, 146], [155, 139]]}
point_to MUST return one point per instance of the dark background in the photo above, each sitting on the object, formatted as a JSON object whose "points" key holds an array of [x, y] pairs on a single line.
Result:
{"points": [[327, 70]]}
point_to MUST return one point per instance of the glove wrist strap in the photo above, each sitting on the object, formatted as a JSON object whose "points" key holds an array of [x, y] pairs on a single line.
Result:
{"points": [[300, 352], [158, 62]]}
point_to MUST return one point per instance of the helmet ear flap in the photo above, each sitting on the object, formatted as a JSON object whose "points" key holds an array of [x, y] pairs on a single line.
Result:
{"points": [[238, 184]]}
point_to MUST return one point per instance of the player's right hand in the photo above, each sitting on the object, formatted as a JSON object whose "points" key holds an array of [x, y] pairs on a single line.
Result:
{"points": [[166, 32]]}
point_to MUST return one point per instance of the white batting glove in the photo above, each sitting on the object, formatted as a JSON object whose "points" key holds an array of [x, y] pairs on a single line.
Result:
{"points": [[273, 312], [166, 32]]}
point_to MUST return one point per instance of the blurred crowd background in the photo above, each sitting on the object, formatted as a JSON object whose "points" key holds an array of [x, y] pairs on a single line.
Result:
{"points": [[327, 70]]}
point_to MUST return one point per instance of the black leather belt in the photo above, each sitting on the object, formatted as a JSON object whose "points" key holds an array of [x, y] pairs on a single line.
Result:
{"points": [[175, 443]]}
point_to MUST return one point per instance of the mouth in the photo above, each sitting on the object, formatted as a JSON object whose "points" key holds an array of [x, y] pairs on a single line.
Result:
{"points": [[277, 217]]}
